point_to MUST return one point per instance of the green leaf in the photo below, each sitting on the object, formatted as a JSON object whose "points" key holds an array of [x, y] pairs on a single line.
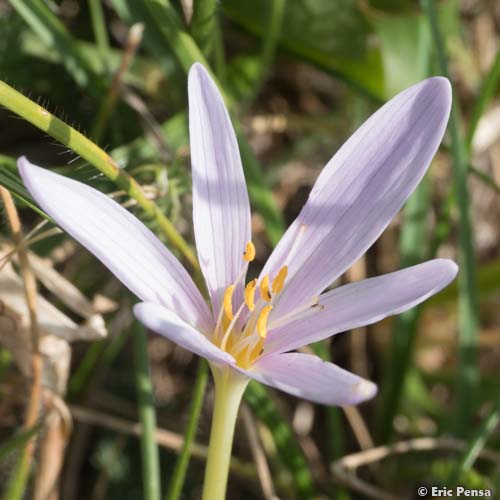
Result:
{"points": [[329, 34], [405, 46]]}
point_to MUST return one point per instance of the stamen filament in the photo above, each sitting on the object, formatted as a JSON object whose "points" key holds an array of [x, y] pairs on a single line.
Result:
{"points": [[229, 329], [296, 314]]}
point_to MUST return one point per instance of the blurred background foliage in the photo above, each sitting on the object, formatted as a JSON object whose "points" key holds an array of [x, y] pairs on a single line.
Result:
{"points": [[298, 76]]}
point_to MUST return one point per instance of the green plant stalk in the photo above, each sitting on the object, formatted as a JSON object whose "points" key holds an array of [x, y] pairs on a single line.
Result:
{"points": [[270, 41], [229, 388], [99, 29], [486, 93], [203, 24], [18, 440], [468, 320], [16, 486], [182, 44], [149, 447], [88, 150], [179, 475]]}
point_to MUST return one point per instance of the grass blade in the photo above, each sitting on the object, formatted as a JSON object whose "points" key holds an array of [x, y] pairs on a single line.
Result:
{"points": [[100, 30], [478, 442], [179, 474], [412, 251], [468, 320], [270, 41], [147, 417], [203, 25]]}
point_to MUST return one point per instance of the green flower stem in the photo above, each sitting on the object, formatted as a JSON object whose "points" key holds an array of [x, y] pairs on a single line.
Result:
{"points": [[229, 388], [468, 320], [88, 150], [179, 474], [149, 447]]}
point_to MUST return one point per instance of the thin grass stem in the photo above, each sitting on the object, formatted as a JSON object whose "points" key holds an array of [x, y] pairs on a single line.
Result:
{"points": [[468, 320], [179, 475], [147, 417]]}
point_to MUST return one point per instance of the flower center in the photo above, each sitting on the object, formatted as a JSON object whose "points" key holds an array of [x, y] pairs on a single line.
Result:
{"points": [[242, 331]]}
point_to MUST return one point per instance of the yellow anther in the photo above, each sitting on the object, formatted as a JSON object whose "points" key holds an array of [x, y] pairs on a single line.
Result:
{"points": [[264, 289], [250, 294], [279, 281], [262, 321], [249, 253], [228, 302]]}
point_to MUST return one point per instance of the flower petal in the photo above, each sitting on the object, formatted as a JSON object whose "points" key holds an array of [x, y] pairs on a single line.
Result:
{"points": [[160, 320], [221, 210], [309, 377], [357, 304], [360, 190], [119, 240]]}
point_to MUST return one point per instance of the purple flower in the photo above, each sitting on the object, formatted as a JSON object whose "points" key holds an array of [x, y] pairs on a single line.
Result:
{"points": [[252, 327]]}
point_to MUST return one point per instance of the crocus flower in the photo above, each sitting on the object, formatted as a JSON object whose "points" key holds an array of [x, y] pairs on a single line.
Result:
{"points": [[251, 329]]}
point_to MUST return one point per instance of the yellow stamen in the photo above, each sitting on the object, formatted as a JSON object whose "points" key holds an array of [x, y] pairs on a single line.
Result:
{"points": [[264, 289], [250, 294], [228, 302], [249, 253], [262, 321], [279, 281]]}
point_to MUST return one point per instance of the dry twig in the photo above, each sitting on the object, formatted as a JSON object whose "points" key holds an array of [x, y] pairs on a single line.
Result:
{"points": [[344, 470]]}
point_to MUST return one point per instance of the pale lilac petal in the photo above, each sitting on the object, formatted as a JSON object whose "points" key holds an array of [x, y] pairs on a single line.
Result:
{"points": [[119, 240], [360, 190], [221, 210], [362, 303], [160, 320], [309, 377]]}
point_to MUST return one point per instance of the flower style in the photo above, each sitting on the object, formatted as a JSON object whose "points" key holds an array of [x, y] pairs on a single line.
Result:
{"points": [[252, 328]]}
